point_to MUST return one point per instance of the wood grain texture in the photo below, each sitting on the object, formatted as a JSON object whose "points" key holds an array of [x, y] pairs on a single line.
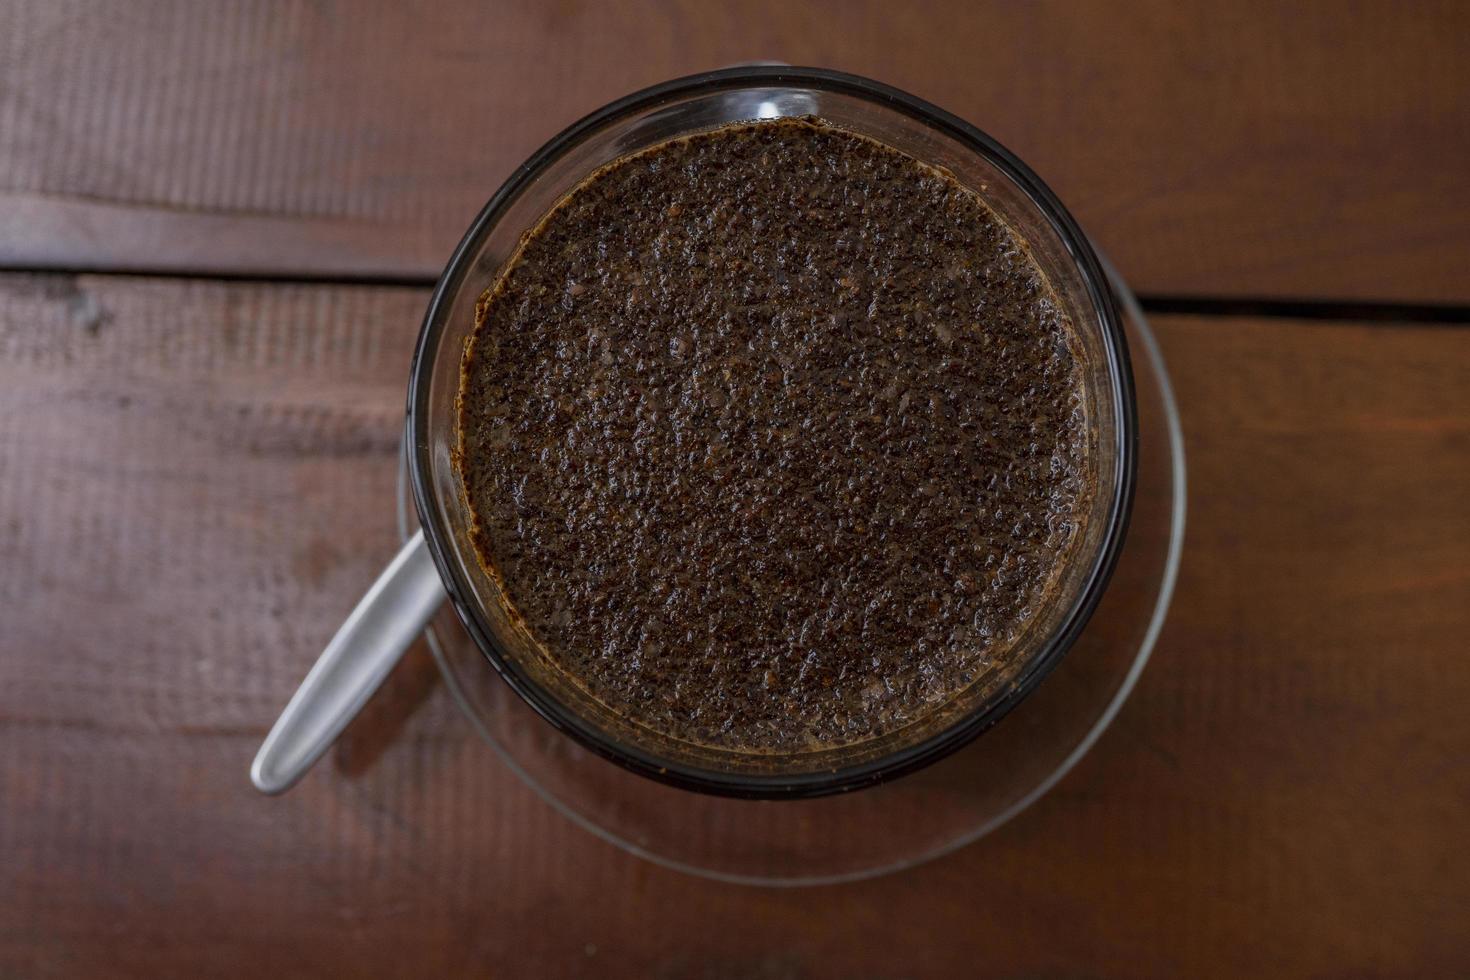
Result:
{"points": [[196, 483], [1313, 150]]}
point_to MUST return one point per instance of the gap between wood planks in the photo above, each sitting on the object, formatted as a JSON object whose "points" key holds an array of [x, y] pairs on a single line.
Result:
{"points": [[1419, 314]]}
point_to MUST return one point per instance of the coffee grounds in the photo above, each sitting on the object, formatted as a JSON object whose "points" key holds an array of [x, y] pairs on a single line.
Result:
{"points": [[774, 436]]}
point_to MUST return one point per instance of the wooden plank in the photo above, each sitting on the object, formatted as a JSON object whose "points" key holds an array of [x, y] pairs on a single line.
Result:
{"points": [[196, 483], [1309, 150]]}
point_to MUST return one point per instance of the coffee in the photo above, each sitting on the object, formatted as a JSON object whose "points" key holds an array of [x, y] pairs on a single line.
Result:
{"points": [[775, 438]]}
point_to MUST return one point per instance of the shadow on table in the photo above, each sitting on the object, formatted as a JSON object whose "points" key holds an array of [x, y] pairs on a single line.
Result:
{"points": [[383, 718]]}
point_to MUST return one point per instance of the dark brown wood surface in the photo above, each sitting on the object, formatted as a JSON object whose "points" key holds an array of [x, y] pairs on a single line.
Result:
{"points": [[1312, 150], [198, 481]]}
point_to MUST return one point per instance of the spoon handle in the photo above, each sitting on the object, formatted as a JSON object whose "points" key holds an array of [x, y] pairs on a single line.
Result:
{"points": [[388, 618]]}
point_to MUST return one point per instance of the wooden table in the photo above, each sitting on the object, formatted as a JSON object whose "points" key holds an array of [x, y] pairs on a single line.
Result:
{"points": [[219, 224]]}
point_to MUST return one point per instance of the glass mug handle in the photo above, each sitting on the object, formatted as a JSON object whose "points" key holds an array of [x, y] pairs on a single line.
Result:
{"points": [[388, 618]]}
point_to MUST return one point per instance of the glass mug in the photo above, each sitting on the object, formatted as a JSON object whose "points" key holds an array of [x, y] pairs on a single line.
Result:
{"points": [[440, 563]]}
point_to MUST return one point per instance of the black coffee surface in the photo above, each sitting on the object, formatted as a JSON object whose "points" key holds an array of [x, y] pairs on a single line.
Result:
{"points": [[774, 436]]}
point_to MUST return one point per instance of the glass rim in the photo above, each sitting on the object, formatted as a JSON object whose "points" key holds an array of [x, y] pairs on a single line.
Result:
{"points": [[1040, 661]]}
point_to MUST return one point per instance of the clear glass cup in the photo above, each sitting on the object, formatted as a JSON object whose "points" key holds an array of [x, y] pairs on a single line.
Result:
{"points": [[699, 103]]}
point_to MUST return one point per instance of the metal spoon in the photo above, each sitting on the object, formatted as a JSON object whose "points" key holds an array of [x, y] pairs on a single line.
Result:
{"points": [[390, 617]]}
